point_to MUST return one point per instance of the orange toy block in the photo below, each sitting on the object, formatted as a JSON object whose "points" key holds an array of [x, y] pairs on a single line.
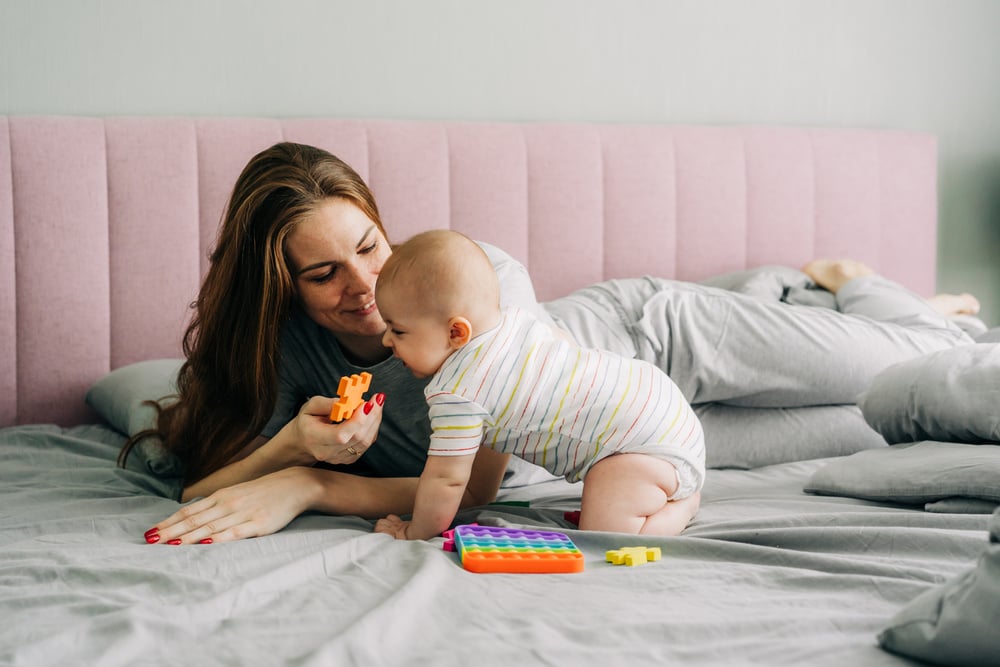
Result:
{"points": [[351, 395], [632, 555]]}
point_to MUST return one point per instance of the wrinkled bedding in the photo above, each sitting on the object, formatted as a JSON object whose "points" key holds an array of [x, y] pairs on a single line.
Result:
{"points": [[766, 574], [951, 395]]}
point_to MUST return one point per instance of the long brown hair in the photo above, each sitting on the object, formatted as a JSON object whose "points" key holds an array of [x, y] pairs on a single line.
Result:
{"points": [[228, 385]]}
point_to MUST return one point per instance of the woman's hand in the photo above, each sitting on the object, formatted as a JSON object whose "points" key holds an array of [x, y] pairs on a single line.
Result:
{"points": [[303, 441], [392, 525], [341, 443], [251, 509]]}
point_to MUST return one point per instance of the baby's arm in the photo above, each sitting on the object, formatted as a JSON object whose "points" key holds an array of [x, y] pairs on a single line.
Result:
{"points": [[442, 485]]}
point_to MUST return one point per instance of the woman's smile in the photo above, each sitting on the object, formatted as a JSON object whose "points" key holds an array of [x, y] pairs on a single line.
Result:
{"points": [[365, 310]]}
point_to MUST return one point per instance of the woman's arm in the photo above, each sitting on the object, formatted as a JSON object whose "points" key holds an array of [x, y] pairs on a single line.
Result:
{"points": [[304, 441], [261, 457], [375, 497], [267, 504]]}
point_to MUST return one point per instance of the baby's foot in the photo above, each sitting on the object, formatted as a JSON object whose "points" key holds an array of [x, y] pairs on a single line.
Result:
{"points": [[832, 274], [955, 304]]}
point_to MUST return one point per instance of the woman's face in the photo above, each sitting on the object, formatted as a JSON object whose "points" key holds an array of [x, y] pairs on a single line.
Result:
{"points": [[335, 254]]}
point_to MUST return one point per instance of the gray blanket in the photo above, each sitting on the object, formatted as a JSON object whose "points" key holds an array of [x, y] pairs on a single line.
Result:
{"points": [[766, 574]]}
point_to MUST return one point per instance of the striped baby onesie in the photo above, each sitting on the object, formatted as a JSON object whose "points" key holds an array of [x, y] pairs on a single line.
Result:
{"points": [[521, 389]]}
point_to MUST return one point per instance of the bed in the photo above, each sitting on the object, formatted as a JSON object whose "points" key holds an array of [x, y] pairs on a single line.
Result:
{"points": [[105, 225]]}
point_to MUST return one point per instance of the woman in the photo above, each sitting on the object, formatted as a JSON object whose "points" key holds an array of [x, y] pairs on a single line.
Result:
{"points": [[292, 279], [287, 308]]}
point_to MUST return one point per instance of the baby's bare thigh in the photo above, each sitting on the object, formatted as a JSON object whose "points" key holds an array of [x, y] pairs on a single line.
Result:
{"points": [[630, 493], [635, 483]]}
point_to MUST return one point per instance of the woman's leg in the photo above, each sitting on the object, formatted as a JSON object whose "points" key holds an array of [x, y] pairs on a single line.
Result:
{"points": [[629, 493], [955, 304], [726, 347], [746, 352], [883, 300]]}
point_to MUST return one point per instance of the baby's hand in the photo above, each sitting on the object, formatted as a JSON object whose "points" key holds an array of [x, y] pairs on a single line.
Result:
{"points": [[392, 525]]}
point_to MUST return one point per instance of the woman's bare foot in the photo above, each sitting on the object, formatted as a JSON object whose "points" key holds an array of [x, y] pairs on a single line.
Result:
{"points": [[955, 304], [832, 274]]}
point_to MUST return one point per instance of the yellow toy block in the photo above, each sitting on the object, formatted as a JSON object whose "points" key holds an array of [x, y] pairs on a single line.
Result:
{"points": [[351, 395], [633, 555]]}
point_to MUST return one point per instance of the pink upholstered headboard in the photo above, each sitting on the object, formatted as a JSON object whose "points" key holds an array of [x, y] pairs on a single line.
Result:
{"points": [[105, 224]]}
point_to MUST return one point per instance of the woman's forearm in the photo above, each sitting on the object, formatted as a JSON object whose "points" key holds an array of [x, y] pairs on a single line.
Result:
{"points": [[368, 497], [263, 456]]}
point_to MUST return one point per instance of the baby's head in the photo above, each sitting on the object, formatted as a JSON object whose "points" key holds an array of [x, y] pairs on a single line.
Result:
{"points": [[435, 292]]}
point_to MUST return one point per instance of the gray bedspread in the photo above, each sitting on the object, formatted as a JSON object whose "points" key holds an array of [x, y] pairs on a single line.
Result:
{"points": [[766, 574]]}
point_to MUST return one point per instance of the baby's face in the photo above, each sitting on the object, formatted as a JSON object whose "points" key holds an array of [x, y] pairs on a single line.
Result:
{"points": [[420, 341]]}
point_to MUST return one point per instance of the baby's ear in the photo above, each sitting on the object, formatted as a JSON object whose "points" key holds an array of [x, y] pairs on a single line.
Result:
{"points": [[459, 332]]}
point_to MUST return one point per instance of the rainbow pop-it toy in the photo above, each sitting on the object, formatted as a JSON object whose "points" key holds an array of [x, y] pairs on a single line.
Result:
{"points": [[514, 550]]}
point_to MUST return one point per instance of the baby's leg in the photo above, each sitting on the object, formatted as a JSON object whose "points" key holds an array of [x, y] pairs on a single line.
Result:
{"points": [[627, 493]]}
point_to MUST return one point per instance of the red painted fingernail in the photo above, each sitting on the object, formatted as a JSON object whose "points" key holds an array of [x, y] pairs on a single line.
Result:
{"points": [[174, 542], [151, 531], [380, 398], [368, 407], [153, 539], [207, 540]]}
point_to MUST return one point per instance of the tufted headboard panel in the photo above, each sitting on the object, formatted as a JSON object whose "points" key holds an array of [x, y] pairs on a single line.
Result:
{"points": [[106, 223]]}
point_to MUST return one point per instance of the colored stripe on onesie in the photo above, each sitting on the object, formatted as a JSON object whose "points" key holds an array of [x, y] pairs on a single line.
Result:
{"points": [[521, 389]]}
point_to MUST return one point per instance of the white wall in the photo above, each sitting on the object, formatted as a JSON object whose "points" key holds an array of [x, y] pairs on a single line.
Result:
{"points": [[930, 65]]}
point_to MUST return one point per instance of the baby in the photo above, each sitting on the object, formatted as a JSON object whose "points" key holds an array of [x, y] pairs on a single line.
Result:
{"points": [[505, 380]]}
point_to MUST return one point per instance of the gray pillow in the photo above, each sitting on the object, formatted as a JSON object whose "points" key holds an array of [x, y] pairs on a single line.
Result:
{"points": [[118, 397], [916, 473], [955, 623], [962, 506], [952, 395], [739, 437]]}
